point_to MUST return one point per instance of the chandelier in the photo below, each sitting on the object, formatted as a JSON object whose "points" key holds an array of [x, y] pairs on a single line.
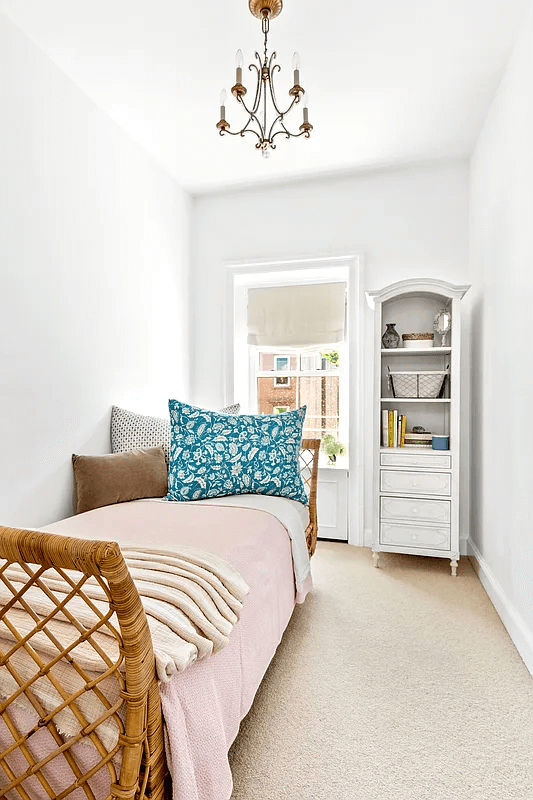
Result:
{"points": [[265, 118]]}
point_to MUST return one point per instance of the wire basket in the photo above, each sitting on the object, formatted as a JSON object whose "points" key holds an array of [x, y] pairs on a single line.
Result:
{"points": [[418, 385]]}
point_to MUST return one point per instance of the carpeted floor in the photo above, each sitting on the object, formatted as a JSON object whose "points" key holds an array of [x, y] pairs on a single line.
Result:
{"points": [[392, 684]]}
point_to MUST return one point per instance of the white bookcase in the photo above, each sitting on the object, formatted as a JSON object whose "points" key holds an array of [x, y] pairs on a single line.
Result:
{"points": [[416, 490]]}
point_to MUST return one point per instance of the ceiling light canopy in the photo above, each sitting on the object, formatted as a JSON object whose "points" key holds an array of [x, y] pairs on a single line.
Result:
{"points": [[265, 118]]}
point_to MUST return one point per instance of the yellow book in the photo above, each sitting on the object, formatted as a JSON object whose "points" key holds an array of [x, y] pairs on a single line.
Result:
{"points": [[391, 428], [404, 425]]}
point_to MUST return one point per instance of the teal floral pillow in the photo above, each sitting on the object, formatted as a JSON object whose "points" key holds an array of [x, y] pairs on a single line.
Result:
{"points": [[213, 454]]}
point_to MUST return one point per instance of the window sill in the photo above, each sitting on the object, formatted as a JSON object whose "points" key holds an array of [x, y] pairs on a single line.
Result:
{"points": [[341, 463]]}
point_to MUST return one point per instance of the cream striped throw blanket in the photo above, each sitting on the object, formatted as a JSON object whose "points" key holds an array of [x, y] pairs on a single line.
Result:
{"points": [[192, 601]]}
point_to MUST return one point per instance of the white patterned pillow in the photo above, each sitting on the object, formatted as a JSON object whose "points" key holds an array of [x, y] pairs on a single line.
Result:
{"points": [[130, 431], [233, 409]]}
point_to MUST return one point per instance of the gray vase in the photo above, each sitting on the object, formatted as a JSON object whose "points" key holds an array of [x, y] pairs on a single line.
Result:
{"points": [[391, 337]]}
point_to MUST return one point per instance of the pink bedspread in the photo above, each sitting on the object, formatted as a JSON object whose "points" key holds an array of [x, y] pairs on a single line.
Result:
{"points": [[204, 705]]}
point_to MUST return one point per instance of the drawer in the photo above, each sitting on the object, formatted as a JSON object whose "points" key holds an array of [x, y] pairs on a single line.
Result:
{"points": [[432, 538], [416, 482], [436, 511], [404, 459]]}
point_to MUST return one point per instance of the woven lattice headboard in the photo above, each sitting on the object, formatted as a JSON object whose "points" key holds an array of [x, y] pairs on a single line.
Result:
{"points": [[45, 665], [309, 472]]}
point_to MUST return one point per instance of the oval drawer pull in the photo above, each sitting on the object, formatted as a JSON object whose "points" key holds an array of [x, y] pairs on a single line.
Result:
{"points": [[415, 537], [415, 511], [415, 483]]}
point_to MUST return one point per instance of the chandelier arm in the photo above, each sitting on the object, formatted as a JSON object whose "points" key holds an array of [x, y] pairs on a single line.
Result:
{"points": [[284, 129], [285, 113], [280, 117], [295, 99], [246, 129], [290, 135], [251, 130], [251, 116], [270, 60], [272, 89], [257, 99]]}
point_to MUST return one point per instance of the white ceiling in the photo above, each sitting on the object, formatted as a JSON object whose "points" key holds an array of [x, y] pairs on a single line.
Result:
{"points": [[389, 82]]}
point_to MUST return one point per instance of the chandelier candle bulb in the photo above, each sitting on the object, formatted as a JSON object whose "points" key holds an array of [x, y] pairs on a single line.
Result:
{"points": [[296, 68], [306, 107], [239, 61], [223, 95]]}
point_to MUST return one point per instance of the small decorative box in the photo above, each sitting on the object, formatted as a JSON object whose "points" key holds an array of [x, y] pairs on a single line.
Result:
{"points": [[417, 340], [440, 442]]}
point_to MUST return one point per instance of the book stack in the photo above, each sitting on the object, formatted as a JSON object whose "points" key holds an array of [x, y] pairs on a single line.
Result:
{"points": [[418, 439], [394, 425]]}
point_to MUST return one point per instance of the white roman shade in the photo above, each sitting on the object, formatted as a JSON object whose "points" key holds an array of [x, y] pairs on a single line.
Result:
{"points": [[296, 316]]}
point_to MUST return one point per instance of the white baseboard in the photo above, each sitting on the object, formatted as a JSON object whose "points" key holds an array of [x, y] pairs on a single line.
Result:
{"points": [[517, 629]]}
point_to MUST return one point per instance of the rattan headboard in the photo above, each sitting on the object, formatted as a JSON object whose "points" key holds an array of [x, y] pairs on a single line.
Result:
{"points": [[309, 471]]}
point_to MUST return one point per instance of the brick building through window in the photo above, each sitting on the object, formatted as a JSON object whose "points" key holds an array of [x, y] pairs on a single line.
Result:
{"points": [[288, 381]]}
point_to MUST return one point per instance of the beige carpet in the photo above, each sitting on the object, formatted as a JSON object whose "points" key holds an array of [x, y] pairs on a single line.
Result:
{"points": [[392, 684]]}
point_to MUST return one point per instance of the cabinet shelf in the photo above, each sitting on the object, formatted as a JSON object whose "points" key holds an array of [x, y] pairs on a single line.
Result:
{"points": [[415, 451], [413, 351], [415, 400]]}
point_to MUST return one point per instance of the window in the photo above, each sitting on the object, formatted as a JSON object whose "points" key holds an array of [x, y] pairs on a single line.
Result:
{"points": [[289, 331], [244, 372], [311, 377], [282, 363]]}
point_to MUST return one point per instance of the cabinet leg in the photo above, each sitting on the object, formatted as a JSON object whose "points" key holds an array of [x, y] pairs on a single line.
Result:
{"points": [[375, 559], [454, 564]]}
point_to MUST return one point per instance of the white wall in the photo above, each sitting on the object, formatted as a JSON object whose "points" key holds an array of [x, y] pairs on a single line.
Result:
{"points": [[408, 223], [502, 375], [94, 242]]}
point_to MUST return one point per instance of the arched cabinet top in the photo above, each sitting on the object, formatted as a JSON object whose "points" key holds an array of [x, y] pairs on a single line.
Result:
{"points": [[415, 287]]}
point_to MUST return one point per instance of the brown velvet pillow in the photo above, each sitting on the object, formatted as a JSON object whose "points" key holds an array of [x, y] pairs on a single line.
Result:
{"points": [[119, 477]]}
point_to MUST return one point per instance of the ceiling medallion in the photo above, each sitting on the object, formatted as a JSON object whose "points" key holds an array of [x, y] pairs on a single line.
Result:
{"points": [[265, 105]]}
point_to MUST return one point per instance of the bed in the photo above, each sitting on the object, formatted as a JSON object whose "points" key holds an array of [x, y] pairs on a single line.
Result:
{"points": [[202, 706]]}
